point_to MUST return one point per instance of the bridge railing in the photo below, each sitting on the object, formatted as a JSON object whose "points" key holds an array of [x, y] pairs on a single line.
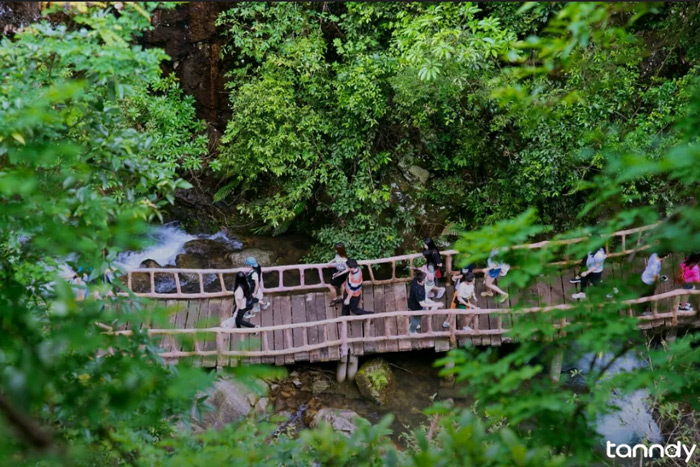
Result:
{"points": [[211, 283], [335, 332]]}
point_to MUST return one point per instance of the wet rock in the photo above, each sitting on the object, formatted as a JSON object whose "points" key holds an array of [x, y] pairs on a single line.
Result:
{"points": [[375, 380], [264, 257], [215, 252], [342, 420], [230, 400], [150, 263], [191, 261]]}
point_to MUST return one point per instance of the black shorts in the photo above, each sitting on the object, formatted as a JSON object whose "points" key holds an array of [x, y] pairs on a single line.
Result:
{"points": [[338, 281]]}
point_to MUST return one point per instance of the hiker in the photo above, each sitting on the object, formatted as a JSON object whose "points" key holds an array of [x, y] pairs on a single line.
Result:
{"points": [[464, 294], [242, 303], [432, 256], [254, 278], [431, 288], [593, 274], [353, 290], [493, 272], [652, 276], [340, 264], [689, 273], [417, 300]]}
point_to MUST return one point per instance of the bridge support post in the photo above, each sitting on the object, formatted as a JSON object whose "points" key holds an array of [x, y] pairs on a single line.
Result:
{"points": [[342, 370], [353, 362], [555, 366]]}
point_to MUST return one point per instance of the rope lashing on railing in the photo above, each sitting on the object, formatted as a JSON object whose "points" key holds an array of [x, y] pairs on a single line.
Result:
{"points": [[301, 269]]}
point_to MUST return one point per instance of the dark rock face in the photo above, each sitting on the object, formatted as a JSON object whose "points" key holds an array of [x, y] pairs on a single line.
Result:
{"points": [[15, 15], [190, 36]]}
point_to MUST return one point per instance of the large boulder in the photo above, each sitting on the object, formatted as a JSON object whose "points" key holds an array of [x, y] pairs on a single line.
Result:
{"points": [[214, 252], [342, 420], [264, 257], [230, 400], [141, 282], [375, 380]]}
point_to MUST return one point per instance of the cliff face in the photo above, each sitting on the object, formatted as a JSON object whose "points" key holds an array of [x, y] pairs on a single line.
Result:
{"points": [[190, 36], [14, 15]]}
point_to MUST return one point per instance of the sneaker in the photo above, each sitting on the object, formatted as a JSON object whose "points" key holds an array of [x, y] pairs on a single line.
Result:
{"points": [[685, 307], [663, 278], [266, 305], [579, 295], [487, 294], [610, 295], [647, 313], [575, 280], [502, 298], [248, 315], [440, 293], [418, 327], [446, 324], [467, 328]]}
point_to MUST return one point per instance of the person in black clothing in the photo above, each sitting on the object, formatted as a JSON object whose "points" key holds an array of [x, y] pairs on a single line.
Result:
{"points": [[432, 256], [242, 301], [418, 301]]}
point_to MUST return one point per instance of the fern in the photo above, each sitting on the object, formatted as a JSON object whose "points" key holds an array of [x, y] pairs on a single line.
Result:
{"points": [[223, 192]]}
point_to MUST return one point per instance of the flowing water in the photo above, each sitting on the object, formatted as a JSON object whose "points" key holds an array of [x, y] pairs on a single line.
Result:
{"points": [[168, 241]]}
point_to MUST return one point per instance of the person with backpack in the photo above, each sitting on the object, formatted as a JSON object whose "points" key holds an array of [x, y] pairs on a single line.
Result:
{"points": [[593, 275], [652, 276], [417, 300], [689, 275], [340, 264], [431, 253], [242, 303], [352, 292], [254, 277]]}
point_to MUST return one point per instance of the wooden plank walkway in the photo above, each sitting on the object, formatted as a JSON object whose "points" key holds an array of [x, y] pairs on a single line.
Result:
{"points": [[301, 325], [313, 307]]}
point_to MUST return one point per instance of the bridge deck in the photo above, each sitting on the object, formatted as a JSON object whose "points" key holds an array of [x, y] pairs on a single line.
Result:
{"points": [[314, 306]]}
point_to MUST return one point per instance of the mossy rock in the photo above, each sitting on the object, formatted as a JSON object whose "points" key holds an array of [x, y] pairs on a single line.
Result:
{"points": [[375, 380]]}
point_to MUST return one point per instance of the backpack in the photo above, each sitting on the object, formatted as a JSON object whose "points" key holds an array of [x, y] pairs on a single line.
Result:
{"points": [[251, 282]]}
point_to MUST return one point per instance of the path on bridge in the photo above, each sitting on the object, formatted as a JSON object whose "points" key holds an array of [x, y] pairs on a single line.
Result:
{"points": [[301, 325]]}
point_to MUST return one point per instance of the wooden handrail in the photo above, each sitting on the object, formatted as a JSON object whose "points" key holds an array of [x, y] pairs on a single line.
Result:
{"points": [[344, 341], [319, 267]]}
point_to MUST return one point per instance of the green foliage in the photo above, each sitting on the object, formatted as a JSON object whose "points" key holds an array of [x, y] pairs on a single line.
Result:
{"points": [[92, 138], [332, 105]]}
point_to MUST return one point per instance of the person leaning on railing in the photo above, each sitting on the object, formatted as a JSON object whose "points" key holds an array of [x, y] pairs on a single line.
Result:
{"points": [[340, 264]]}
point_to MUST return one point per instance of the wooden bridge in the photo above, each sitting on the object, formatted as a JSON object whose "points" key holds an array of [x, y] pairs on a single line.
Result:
{"points": [[301, 325]]}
